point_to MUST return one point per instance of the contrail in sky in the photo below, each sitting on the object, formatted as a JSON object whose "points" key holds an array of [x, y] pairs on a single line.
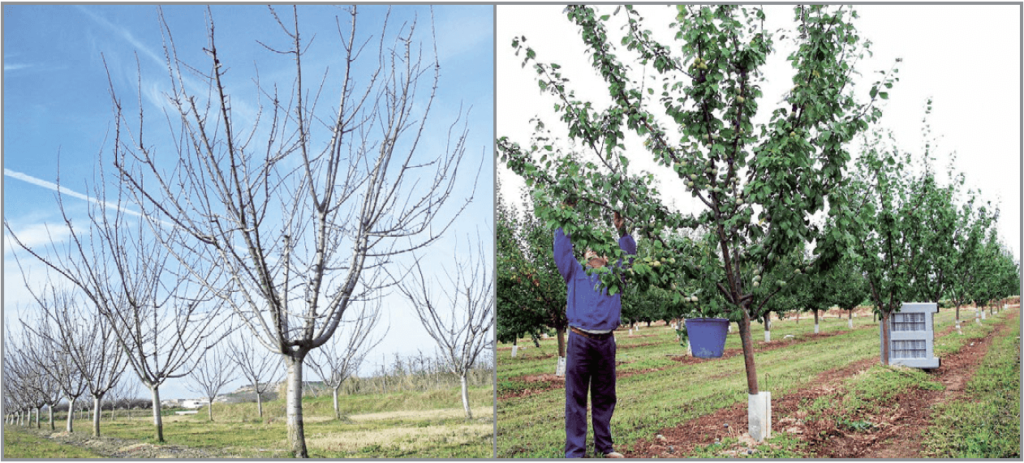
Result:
{"points": [[64, 191]]}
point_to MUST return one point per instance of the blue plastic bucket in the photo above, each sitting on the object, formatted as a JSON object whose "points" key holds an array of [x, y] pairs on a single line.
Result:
{"points": [[707, 336]]}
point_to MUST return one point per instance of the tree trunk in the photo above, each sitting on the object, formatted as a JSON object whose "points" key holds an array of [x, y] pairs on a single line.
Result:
{"points": [[850, 319], [885, 338], [70, 427], [768, 328], [296, 431], [158, 421], [210, 408], [259, 401], [337, 411], [748, 352], [52, 426], [38, 411], [96, 410], [465, 397], [815, 321]]}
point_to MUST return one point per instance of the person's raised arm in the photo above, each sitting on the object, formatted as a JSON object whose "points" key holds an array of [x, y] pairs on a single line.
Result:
{"points": [[564, 259]]}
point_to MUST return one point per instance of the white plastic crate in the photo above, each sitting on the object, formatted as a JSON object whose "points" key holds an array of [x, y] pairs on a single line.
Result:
{"points": [[912, 335]]}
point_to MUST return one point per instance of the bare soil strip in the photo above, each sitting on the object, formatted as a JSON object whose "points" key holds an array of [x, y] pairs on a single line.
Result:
{"points": [[898, 432]]}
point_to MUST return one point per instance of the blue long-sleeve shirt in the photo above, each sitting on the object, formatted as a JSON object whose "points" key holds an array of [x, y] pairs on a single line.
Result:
{"points": [[589, 306]]}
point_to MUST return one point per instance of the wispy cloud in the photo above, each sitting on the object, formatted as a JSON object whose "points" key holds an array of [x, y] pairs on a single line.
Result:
{"points": [[36, 235], [125, 34], [16, 67]]}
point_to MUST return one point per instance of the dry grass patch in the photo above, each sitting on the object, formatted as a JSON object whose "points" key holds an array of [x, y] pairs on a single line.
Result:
{"points": [[404, 438], [418, 415]]}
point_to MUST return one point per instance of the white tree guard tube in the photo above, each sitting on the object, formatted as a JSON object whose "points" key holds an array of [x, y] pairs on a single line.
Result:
{"points": [[759, 415]]}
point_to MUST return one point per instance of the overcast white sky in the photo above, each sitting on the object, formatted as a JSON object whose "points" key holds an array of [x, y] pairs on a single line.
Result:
{"points": [[965, 57]]}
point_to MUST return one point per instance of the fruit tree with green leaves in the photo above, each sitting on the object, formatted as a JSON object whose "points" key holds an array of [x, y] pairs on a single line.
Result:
{"points": [[531, 292], [759, 184]]}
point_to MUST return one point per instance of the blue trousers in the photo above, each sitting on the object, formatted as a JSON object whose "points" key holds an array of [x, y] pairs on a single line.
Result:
{"points": [[589, 364]]}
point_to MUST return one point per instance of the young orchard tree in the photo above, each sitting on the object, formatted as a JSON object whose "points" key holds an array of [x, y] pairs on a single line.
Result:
{"points": [[122, 394], [783, 170], [1000, 273], [257, 365], [342, 356], [89, 340], [845, 286], [973, 226], [50, 352], [461, 317], [306, 206], [23, 382], [159, 313], [795, 293], [881, 200], [934, 242], [211, 373], [530, 289]]}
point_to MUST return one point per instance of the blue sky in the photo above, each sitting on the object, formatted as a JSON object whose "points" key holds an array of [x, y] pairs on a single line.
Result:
{"points": [[57, 105]]}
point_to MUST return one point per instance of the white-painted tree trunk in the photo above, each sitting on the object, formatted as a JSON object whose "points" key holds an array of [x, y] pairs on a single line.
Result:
{"points": [[465, 397], [560, 367], [158, 421], [337, 410], [52, 426], [767, 328], [259, 401], [70, 426], [96, 410], [515, 349], [816, 330], [293, 408], [38, 411], [209, 408]]}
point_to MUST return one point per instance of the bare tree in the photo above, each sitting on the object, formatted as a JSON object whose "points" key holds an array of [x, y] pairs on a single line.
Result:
{"points": [[257, 365], [28, 382], [17, 371], [124, 390], [158, 315], [461, 318], [88, 340], [51, 353], [342, 356], [211, 373], [304, 223]]}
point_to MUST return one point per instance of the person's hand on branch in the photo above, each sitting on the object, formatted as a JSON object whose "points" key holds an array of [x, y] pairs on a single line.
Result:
{"points": [[619, 222]]}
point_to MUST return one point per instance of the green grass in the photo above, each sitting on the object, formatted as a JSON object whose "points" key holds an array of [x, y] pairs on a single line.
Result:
{"points": [[533, 426], [21, 444], [986, 423]]}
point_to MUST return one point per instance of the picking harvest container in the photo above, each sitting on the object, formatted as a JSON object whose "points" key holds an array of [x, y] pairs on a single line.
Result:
{"points": [[707, 336]]}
